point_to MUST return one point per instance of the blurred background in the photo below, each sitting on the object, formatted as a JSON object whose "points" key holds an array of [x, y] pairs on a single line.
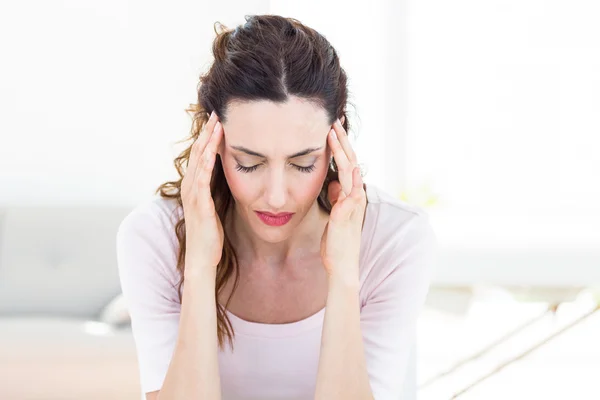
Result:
{"points": [[485, 113]]}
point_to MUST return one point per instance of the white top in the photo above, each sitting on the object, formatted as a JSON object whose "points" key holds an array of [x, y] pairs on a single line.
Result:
{"points": [[279, 361]]}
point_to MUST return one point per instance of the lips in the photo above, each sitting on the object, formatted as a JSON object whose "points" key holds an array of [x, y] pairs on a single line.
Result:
{"points": [[275, 215], [274, 219]]}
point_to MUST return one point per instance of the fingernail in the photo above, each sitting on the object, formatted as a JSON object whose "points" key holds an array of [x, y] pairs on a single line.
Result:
{"points": [[333, 135], [217, 125]]}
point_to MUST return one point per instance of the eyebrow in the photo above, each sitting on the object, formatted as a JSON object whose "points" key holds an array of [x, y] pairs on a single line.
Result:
{"points": [[298, 154]]}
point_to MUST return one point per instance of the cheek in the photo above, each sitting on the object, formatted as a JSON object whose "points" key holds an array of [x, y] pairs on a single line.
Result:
{"points": [[312, 184], [239, 184]]}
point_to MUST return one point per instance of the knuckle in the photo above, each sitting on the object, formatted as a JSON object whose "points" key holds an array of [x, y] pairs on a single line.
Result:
{"points": [[203, 159], [206, 159]]}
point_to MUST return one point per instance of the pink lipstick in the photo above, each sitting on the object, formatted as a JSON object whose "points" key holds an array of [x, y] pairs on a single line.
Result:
{"points": [[274, 219]]}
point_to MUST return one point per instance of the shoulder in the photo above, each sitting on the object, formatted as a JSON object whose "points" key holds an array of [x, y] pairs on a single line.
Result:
{"points": [[402, 239], [394, 223], [147, 243], [155, 216]]}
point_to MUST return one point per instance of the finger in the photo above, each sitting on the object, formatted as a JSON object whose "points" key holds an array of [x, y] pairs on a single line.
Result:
{"points": [[324, 237], [357, 197], [206, 132], [214, 141], [358, 187], [342, 162], [204, 170], [345, 142], [210, 124], [199, 145]]}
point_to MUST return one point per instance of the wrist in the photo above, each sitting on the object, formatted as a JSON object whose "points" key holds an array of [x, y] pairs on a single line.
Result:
{"points": [[347, 280], [199, 271]]}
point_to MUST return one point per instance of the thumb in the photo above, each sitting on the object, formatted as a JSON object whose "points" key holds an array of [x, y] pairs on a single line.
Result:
{"points": [[324, 241]]}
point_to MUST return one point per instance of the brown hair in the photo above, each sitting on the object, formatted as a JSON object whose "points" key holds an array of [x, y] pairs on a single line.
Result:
{"points": [[267, 58]]}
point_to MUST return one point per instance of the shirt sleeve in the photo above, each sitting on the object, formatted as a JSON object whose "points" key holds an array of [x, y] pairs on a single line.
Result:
{"points": [[147, 264], [389, 315]]}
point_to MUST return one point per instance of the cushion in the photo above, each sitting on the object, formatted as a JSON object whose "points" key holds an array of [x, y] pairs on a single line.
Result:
{"points": [[115, 313]]}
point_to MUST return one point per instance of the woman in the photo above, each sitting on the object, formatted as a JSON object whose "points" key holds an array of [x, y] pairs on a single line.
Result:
{"points": [[270, 242]]}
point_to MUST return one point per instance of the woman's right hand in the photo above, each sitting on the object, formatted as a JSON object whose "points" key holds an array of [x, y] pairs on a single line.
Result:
{"points": [[204, 231]]}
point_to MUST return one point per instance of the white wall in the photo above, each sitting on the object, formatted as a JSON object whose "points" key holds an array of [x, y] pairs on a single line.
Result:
{"points": [[504, 122], [504, 105], [93, 92]]}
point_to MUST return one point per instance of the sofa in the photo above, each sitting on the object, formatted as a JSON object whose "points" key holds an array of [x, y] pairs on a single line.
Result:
{"points": [[58, 279], [64, 332]]}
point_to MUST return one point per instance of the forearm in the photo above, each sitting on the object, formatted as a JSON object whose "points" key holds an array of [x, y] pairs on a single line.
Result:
{"points": [[342, 372], [193, 372]]}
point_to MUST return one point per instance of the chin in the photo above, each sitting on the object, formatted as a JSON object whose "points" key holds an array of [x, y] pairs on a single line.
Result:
{"points": [[273, 237]]}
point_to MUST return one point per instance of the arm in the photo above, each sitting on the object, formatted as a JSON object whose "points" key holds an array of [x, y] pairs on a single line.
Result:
{"points": [[392, 307], [193, 372], [374, 345], [162, 327], [342, 372]]}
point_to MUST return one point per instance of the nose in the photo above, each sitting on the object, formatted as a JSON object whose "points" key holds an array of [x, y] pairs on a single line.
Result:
{"points": [[276, 190]]}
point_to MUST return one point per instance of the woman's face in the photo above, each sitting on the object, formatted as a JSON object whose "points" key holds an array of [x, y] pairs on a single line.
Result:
{"points": [[275, 158]]}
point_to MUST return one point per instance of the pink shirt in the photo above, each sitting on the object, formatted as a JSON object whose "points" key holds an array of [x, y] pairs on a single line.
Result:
{"points": [[279, 361]]}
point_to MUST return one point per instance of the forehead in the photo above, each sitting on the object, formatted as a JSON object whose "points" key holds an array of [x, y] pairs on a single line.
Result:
{"points": [[274, 128]]}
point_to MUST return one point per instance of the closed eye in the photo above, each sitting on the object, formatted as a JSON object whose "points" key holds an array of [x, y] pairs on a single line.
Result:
{"points": [[246, 169], [306, 170]]}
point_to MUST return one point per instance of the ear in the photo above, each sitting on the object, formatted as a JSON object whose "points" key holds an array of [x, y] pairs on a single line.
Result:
{"points": [[342, 120], [333, 192]]}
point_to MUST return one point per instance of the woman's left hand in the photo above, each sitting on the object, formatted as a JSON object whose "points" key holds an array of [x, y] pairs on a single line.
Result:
{"points": [[340, 244]]}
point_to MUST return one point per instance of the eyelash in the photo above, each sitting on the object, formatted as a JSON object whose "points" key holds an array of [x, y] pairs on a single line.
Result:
{"points": [[306, 170]]}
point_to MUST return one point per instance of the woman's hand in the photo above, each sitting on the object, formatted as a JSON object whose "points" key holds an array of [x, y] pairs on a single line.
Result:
{"points": [[204, 231], [340, 244]]}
